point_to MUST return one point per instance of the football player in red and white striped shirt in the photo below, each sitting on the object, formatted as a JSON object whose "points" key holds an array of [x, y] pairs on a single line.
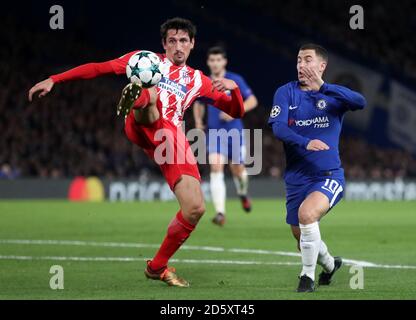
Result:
{"points": [[157, 112]]}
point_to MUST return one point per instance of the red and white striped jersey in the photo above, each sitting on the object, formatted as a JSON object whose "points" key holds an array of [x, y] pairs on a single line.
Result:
{"points": [[178, 89]]}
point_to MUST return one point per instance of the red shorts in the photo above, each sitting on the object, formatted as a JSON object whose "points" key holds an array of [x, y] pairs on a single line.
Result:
{"points": [[167, 145]]}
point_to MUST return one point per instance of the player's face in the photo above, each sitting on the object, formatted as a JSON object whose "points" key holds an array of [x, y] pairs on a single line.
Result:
{"points": [[178, 46], [309, 59], [216, 63]]}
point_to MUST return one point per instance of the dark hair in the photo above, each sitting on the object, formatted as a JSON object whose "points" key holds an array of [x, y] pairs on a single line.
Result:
{"points": [[319, 50], [177, 24], [217, 50]]}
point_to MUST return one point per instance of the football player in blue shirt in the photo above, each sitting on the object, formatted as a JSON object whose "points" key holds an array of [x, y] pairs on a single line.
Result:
{"points": [[227, 144], [307, 116]]}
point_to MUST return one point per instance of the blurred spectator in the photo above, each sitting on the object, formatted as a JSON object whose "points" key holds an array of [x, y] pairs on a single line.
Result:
{"points": [[7, 172], [389, 27]]}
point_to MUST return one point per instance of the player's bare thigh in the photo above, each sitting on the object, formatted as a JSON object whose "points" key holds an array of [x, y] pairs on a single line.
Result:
{"points": [[149, 114], [313, 208], [217, 162], [190, 197]]}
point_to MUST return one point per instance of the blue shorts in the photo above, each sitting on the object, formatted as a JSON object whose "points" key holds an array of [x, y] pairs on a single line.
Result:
{"points": [[230, 143], [332, 187]]}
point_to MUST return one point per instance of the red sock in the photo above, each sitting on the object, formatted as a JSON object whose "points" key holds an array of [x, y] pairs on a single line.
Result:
{"points": [[143, 100], [178, 231]]}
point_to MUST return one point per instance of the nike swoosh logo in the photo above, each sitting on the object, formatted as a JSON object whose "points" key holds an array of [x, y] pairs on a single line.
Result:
{"points": [[292, 108]]}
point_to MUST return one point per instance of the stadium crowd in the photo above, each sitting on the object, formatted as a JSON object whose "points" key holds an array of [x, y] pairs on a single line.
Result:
{"points": [[386, 37], [75, 130]]}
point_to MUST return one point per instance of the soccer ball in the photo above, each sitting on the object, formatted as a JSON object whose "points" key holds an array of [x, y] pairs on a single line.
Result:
{"points": [[144, 66]]}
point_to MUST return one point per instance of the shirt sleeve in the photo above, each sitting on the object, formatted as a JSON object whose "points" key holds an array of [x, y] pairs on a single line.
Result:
{"points": [[279, 118], [349, 99], [119, 64], [94, 69], [85, 71], [280, 109]]}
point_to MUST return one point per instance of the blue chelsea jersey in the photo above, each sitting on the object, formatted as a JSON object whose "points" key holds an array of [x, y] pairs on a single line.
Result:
{"points": [[298, 116], [214, 121]]}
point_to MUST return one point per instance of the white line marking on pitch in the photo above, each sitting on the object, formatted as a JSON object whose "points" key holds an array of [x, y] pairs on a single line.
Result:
{"points": [[134, 259], [186, 247]]}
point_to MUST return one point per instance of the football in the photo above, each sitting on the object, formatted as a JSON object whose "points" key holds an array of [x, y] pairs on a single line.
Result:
{"points": [[144, 66]]}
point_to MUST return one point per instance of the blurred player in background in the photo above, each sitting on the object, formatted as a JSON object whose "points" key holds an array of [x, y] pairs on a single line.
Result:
{"points": [[150, 110], [223, 148], [307, 116]]}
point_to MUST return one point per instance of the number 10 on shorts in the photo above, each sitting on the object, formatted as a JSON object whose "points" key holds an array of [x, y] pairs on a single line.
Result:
{"points": [[331, 185], [334, 188]]}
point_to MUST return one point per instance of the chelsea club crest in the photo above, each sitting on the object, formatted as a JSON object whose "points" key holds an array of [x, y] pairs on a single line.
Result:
{"points": [[321, 104]]}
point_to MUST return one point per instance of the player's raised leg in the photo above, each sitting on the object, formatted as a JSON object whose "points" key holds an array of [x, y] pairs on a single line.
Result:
{"points": [[217, 186], [143, 102], [189, 194], [187, 190], [240, 178]]}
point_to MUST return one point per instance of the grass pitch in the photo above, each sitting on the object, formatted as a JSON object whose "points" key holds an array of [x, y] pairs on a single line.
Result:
{"points": [[102, 248]]}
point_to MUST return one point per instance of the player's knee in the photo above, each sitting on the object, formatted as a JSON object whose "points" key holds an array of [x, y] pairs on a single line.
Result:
{"points": [[199, 210], [307, 215], [196, 210]]}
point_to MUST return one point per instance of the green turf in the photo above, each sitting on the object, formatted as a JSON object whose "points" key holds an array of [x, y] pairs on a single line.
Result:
{"points": [[378, 232]]}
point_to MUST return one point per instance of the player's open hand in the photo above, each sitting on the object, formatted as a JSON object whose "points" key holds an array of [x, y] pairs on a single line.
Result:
{"points": [[44, 87], [317, 145], [314, 80], [224, 84]]}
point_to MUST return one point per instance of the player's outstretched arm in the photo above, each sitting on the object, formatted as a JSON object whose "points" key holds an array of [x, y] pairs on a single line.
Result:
{"points": [[85, 71], [214, 92]]}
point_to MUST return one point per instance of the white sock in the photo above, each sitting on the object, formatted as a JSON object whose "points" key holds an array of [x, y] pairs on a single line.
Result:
{"points": [[241, 183], [310, 241], [218, 191], [325, 259]]}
